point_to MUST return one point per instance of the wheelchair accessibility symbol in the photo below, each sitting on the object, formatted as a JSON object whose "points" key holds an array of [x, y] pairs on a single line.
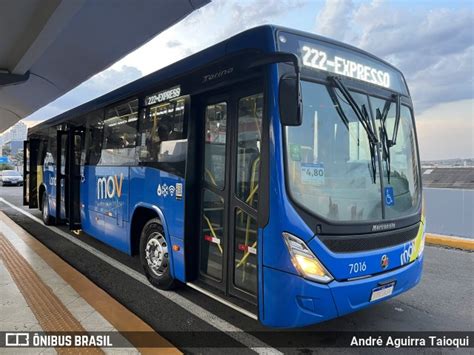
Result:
{"points": [[389, 198]]}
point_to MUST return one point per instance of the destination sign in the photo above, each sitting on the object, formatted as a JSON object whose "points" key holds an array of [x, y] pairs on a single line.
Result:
{"points": [[319, 59], [321, 55], [163, 96]]}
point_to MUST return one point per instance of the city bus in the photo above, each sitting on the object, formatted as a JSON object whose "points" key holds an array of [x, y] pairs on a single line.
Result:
{"points": [[277, 172]]}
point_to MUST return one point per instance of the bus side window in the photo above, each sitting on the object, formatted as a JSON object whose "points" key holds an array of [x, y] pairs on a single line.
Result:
{"points": [[215, 144], [120, 134], [249, 148], [50, 156], [162, 138], [93, 138]]}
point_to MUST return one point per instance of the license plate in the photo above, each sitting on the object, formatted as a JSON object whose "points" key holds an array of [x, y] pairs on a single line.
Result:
{"points": [[382, 291]]}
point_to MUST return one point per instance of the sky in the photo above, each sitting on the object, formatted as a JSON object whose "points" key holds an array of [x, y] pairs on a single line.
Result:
{"points": [[430, 41]]}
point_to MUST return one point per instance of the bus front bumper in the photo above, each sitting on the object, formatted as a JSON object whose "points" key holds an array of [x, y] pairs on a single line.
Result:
{"points": [[292, 301]]}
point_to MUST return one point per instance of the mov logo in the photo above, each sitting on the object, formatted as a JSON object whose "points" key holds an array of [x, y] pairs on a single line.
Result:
{"points": [[407, 253], [109, 187]]}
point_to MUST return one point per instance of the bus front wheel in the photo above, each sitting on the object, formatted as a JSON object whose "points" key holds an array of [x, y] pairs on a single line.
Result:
{"points": [[154, 255]]}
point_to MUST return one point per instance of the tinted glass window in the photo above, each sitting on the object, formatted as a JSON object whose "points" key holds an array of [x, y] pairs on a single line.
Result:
{"points": [[120, 133], [245, 249], [51, 150], [329, 164], [212, 234], [215, 143], [401, 160], [63, 148], [93, 138], [163, 136], [248, 148]]}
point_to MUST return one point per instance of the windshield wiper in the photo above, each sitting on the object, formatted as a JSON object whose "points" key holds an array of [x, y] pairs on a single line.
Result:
{"points": [[388, 143], [337, 105], [397, 121], [361, 113], [364, 119], [382, 116]]}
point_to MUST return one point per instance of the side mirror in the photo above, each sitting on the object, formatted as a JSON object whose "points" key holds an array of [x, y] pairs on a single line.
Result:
{"points": [[289, 87], [290, 101]]}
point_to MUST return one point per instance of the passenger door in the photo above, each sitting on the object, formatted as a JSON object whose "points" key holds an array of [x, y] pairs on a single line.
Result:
{"points": [[26, 173], [68, 177], [76, 143], [231, 147]]}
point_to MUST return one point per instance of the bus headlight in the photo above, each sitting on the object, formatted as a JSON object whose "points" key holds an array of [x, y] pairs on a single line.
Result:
{"points": [[305, 261]]}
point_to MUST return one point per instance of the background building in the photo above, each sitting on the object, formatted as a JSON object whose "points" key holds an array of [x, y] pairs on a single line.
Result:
{"points": [[11, 143]]}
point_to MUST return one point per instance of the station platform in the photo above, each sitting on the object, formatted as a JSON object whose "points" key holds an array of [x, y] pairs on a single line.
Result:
{"points": [[42, 293]]}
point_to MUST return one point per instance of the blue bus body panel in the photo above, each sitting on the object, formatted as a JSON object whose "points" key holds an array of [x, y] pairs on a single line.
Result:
{"points": [[165, 191], [49, 180], [105, 195], [292, 301], [111, 195], [354, 295]]}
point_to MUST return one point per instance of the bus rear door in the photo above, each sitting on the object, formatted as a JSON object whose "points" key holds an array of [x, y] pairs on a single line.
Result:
{"points": [[68, 176], [30, 172], [26, 173]]}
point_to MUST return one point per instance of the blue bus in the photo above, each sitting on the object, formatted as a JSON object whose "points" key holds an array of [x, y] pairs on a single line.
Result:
{"points": [[277, 171]]}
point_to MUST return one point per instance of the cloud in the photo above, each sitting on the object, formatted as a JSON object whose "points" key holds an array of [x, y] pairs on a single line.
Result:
{"points": [[246, 15], [432, 47], [334, 18], [173, 43], [206, 26], [447, 131], [96, 86], [448, 79]]}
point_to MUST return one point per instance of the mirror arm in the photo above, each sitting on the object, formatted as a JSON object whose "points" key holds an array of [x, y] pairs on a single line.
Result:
{"points": [[278, 57]]}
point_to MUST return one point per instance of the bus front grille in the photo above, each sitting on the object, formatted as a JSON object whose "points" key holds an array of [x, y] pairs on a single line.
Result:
{"points": [[371, 241]]}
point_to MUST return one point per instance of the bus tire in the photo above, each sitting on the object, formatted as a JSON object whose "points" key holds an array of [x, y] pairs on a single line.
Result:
{"points": [[155, 254], [45, 216]]}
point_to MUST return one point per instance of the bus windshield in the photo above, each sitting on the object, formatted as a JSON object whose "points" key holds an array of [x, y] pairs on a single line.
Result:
{"points": [[330, 160]]}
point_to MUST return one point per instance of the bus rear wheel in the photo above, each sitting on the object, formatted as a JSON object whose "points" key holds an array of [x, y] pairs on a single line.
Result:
{"points": [[154, 255]]}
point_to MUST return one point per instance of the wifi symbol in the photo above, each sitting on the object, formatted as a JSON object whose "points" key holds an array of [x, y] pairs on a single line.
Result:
{"points": [[171, 190]]}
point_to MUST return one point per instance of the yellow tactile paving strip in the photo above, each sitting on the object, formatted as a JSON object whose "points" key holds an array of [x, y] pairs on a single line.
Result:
{"points": [[50, 312], [115, 313]]}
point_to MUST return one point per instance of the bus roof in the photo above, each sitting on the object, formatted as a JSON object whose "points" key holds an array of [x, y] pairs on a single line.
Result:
{"points": [[261, 38]]}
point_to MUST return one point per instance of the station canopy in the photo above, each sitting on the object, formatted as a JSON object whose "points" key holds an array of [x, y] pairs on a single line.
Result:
{"points": [[48, 47]]}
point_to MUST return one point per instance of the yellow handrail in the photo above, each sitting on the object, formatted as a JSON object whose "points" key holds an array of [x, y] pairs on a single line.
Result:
{"points": [[253, 189], [212, 232], [244, 258], [211, 177]]}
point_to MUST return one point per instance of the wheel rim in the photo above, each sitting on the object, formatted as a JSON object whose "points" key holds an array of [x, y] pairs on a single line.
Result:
{"points": [[45, 209], [156, 254]]}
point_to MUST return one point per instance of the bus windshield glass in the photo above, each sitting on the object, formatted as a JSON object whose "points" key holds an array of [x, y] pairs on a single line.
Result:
{"points": [[330, 165]]}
